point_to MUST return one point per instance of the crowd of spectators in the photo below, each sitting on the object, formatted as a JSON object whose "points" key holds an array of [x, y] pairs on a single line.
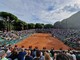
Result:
{"points": [[70, 37], [20, 53], [12, 36]]}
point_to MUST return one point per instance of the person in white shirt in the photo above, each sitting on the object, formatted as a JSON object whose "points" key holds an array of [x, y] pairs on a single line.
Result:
{"points": [[74, 56]]}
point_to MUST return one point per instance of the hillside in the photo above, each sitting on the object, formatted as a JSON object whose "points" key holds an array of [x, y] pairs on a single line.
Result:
{"points": [[71, 22]]}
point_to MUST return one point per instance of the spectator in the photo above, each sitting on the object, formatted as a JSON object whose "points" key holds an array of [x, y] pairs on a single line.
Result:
{"points": [[28, 56], [62, 56], [52, 52], [38, 56], [33, 53], [14, 54], [47, 56], [73, 56], [3, 55], [21, 54]]}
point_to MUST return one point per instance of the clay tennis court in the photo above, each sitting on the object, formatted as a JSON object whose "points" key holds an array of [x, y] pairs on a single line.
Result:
{"points": [[41, 40]]}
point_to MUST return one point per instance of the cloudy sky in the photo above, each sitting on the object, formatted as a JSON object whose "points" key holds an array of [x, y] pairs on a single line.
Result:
{"points": [[41, 11]]}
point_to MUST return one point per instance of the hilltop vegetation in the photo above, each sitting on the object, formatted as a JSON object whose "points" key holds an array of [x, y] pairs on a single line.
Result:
{"points": [[8, 21]]}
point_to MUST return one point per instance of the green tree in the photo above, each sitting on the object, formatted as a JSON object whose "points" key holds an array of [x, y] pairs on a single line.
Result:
{"points": [[48, 26], [10, 22], [39, 26], [8, 19], [2, 25], [31, 26], [6, 15], [20, 25], [24, 25]]}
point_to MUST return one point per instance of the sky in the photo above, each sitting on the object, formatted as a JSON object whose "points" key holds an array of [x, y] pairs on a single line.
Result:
{"points": [[41, 11]]}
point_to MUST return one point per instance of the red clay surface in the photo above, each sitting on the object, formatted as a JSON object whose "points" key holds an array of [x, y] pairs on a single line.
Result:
{"points": [[41, 40]]}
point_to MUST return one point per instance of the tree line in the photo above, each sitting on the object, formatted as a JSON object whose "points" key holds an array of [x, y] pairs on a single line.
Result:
{"points": [[8, 22]]}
